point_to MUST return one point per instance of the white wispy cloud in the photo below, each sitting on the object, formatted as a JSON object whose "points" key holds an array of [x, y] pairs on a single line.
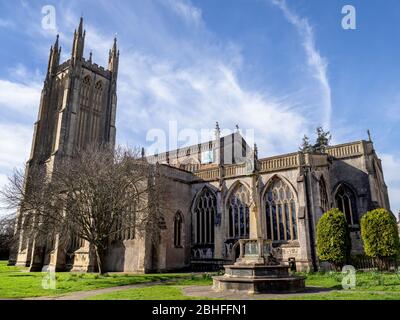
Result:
{"points": [[186, 11], [20, 73], [315, 60], [15, 145], [197, 96], [194, 82], [19, 103], [19, 97]]}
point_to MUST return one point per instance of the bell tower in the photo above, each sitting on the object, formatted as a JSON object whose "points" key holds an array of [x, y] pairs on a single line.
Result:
{"points": [[78, 103], [77, 109]]}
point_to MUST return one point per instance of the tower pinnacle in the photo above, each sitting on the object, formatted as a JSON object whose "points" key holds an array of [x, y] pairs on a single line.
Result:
{"points": [[56, 43], [113, 58], [54, 58], [80, 28], [79, 42]]}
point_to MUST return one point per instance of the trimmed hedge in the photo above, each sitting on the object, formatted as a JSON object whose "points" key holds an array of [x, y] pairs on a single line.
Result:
{"points": [[333, 238], [380, 234]]}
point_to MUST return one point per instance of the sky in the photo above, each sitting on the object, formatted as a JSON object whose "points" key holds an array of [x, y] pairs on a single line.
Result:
{"points": [[277, 69]]}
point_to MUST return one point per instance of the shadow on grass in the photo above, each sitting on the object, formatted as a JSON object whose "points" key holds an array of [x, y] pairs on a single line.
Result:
{"points": [[312, 289]]}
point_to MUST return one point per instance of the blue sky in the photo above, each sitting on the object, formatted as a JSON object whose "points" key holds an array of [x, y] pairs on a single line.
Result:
{"points": [[279, 68]]}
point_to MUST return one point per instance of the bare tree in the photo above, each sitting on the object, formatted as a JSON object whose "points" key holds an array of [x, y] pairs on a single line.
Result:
{"points": [[7, 223], [95, 195]]}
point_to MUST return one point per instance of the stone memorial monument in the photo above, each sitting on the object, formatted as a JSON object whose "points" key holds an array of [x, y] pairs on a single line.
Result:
{"points": [[256, 270]]}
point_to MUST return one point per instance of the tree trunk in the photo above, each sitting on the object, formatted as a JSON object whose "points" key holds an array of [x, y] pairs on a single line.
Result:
{"points": [[101, 260]]}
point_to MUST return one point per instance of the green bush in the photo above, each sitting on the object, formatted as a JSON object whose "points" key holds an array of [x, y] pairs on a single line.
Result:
{"points": [[333, 238], [380, 234]]}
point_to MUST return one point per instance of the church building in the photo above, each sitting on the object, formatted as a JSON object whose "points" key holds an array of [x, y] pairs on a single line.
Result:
{"points": [[218, 185]]}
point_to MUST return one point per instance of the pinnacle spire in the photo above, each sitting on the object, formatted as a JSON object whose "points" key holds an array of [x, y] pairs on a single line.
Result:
{"points": [[56, 43], [113, 57], [217, 130], [79, 42], [115, 43], [54, 58], [114, 52], [80, 28]]}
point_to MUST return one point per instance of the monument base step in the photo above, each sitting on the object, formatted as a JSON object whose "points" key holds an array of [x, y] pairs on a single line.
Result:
{"points": [[290, 284]]}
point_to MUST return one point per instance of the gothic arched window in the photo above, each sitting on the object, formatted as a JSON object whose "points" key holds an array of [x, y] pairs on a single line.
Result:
{"points": [[204, 217], [86, 83], [57, 100], [98, 95], [83, 110], [75, 242], [280, 211], [323, 195], [96, 112], [125, 220], [178, 230], [238, 210], [346, 202], [125, 226], [129, 232]]}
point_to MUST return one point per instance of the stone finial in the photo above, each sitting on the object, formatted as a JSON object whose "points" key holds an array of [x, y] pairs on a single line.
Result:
{"points": [[369, 135], [56, 43], [217, 130], [115, 43], [80, 28]]}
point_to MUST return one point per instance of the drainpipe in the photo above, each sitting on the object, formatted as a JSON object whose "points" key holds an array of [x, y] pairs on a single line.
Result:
{"points": [[310, 214]]}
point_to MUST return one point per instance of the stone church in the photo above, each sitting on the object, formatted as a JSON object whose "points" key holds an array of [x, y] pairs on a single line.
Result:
{"points": [[217, 184]]}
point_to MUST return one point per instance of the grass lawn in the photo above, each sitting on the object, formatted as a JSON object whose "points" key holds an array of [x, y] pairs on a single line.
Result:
{"points": [[168, 291], [348, 295], [369, 286], [16, 282], [365, 281]]}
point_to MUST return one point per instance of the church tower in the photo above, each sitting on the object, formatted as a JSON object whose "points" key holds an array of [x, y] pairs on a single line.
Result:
{"points": [[77, 109], [78, 103]]}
